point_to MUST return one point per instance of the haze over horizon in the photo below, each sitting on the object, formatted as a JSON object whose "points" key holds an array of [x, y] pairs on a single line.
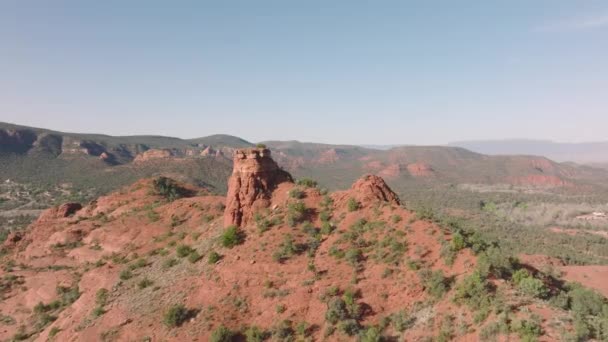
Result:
{"points": [[344, 72]]}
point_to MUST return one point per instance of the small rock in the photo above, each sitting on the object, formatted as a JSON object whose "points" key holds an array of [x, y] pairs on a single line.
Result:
{"points": [[252, 262]]}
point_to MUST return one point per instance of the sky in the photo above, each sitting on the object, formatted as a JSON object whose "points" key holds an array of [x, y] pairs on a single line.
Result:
{"points": [[353, 72]]}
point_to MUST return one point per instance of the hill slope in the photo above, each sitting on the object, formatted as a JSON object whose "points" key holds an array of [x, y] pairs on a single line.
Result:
{"points": [[153, 262]]}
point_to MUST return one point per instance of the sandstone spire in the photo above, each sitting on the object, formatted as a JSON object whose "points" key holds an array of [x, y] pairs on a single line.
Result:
{"points": [[255, 175]]}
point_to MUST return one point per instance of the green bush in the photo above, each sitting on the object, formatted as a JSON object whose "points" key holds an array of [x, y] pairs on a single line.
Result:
{"points": [[336, 311], [232, 237], [527, 330], [473, 291], [436, 283], [183, 251], [287, 249], [176, 315], [307, 182], [296, 213], [126, 274], [222, 334], [352, 205], [144, 283], [213, 257], [255, 334], [533, 287], [401, 321], [194, 257], [296, 193], [168, 188]]}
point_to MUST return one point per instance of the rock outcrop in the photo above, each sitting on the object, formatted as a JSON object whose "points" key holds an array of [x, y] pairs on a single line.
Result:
{"points": [[62, 211], [254, 177], [372, 188], [153, 154]]}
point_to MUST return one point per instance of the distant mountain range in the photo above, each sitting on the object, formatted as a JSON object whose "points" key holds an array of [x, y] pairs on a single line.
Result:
{"points": [[104, 163], [586, 153]]}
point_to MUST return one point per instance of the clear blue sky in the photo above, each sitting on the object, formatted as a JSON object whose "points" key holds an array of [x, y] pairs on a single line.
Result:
{"points": [[374, 72]]}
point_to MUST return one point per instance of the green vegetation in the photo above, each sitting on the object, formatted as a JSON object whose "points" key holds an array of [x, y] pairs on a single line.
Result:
{"points": [[287, 249], [307, 183], [296, 213], [213, 257], [232, 236], [222, 334], [177, 315], [184, 251], [435, 283], [297, 193], [169, 189], [352, 205], [530, 285]]}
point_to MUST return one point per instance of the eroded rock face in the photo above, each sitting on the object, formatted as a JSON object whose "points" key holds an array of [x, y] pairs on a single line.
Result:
{"points": [[153, 154], [62, 211], [371, 188], [254, 177]]}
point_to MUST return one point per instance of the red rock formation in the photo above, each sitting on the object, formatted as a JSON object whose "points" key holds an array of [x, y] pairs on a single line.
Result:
{"points": [[254, 177], [153, 154], [367, 190], [372, 188], [420, 169], [62, 211]]}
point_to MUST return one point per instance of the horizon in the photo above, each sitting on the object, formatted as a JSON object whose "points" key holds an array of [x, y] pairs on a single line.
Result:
{"points": [[348, 73], [364, 145]]}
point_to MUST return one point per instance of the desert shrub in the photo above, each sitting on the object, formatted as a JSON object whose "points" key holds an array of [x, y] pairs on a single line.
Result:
{"points": [[458, 241], [142, 284], [296, 213], [194, 257], [352, 205], [68, 295], [324, 216], [336, 311], [170, 263], [126, 274], [371, 334], [436, 283], [353, 256], [396, 219], [283, 331], [168, 188], [101, 296], [176, 315], [183, 251], [260, 145], [533, 287], [307, 182], [296, 193], [401, 321], [255, 334], [473, 291], [585, 302], [527, 330], [494, 261], [213, 257], [287, 249], [349, 327], [232, 237], [222, 334], [326, 228]]}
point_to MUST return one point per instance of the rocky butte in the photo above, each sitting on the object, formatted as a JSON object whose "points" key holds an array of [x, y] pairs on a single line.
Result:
{"points": [[254, 177]]}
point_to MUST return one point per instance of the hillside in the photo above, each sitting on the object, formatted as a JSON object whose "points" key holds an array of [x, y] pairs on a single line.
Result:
{"points": [[156, 261], [587, 153], [500, 196]]}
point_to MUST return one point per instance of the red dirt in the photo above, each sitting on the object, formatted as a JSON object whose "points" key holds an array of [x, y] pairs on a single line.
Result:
{"points": [[594, 276], [136, 230]]}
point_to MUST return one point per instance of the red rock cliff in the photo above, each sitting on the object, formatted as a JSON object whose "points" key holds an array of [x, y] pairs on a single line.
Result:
{"points": [[254, 177]]}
